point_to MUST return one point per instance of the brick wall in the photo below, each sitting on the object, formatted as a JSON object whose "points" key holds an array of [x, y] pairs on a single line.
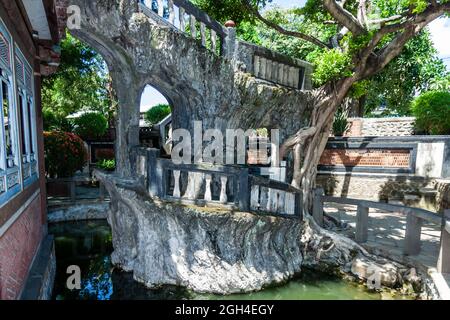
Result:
{"points": [[380, 127], [18, 246], [367, 158]]}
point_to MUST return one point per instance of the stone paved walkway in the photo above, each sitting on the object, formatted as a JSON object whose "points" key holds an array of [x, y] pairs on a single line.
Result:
{"points": [[387, 233]]}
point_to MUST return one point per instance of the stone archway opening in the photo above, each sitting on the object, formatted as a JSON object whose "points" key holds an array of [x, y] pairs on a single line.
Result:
{"points": [[155, 121]]}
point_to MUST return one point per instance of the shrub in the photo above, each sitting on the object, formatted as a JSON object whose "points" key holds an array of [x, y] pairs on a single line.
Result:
{"points": [[53, 121], [157, 113], [64, 154], [91, 125], [340, 123], [107, 164], [432, 112]]}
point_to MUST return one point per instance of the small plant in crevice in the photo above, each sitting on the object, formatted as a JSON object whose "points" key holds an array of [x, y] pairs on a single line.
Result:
{"points": [[107, 164], [340, 123]]}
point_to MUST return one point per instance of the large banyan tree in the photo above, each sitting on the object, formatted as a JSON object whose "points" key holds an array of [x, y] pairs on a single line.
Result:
{"points": [[369, 35]]}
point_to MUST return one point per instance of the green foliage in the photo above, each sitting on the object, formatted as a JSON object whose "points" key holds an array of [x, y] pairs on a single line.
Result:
{"points": [[416, 69], [340, 123], [223, 10], [107, 164], [432, 112], [81, 82], [157, 113], [330, 65], [55, 122], [64, 154], [91, 125]]}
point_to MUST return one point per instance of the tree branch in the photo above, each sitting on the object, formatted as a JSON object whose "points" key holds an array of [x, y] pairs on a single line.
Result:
{"points": [[344, 17], [282, 30], [298, 138], [410, 28]]}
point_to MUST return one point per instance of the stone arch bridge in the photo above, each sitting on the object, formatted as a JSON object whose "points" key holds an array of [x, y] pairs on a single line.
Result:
{"points": [[194, 225], [199, 65]]}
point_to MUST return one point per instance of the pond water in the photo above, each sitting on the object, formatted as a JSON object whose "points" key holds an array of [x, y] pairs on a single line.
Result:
{"points": [[88, 244]]}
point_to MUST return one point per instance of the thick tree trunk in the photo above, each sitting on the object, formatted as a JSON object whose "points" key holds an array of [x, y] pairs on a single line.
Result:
{"points": [[309, 143]]}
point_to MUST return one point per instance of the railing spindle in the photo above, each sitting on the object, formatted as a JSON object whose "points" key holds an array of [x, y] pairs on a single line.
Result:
{"points": [[181, 17], [171, 12], [192, 26], [289, 205], [213, 41], [223, 189], [281, 202], [176, 184], [208, 194], [254, 198], [203, 33], [160, 8]]}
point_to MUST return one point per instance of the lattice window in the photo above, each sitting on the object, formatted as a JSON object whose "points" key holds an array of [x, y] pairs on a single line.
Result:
{"points": [[29, 79], [4, 50], [20, 71]]}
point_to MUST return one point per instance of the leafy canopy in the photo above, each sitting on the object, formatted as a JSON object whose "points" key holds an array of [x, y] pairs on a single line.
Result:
{"points": [[432, 112], [157, 113], [80, 83], [416, 69]]}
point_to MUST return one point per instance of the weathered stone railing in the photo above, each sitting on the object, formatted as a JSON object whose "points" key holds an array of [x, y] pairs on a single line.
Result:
{"points": [[230, 187], [186, 17], [259, 61], [275, 67], [414, 220]]}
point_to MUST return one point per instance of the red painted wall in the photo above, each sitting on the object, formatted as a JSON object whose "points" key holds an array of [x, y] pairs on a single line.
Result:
{"points": [[17, 249]]}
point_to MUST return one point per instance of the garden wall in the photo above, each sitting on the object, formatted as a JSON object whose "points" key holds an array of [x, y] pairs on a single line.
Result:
{"points": [[380, 127], [414, 170]]}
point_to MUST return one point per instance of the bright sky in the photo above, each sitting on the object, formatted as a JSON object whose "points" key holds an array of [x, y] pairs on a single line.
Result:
{"points": [[440, 33]]}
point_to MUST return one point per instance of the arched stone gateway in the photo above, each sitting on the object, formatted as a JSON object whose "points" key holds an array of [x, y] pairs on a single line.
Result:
{"points": [[237, 86], [218, 89]]}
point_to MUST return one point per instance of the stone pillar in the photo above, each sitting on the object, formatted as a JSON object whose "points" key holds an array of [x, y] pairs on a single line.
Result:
{"points": [[229, 42], [127, 124], [413, 233], [444, 254], [318, 206]]}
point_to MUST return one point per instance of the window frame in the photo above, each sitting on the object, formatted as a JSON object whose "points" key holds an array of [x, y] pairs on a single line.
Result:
{"points": [[10, 175], [29, 162]]}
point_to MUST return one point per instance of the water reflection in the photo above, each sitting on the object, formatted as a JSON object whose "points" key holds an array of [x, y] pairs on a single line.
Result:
{"points": [[89, 245]]}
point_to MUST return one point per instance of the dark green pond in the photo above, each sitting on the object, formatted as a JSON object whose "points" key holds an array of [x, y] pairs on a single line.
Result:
{"points": [[88, 245]]}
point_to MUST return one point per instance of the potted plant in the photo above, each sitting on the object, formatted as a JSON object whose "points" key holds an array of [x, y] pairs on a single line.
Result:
{"points": [[340, 123]]}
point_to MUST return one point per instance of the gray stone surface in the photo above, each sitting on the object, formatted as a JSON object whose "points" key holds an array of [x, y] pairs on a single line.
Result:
{"points": [[200, 85], [218, 251], [80, 210], [382, 127], [40, 280]]}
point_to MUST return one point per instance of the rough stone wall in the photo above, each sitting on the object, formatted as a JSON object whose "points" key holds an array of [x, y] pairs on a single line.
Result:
{"points": [[219, 251], [369, 187], [18, 246], [443, 195], [199, 84], [380, 127]]}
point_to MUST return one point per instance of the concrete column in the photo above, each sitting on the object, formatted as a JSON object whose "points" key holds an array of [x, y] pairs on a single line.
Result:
{"points": [[229, 43], [318, 206], [362, 224], [244, 191], [412, 237], [444, 253]]}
